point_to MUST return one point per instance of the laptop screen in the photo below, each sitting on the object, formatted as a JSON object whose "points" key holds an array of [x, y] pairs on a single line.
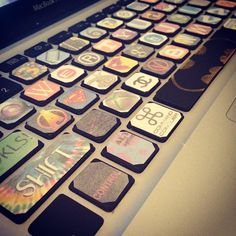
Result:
{"points": [[20, 18]]}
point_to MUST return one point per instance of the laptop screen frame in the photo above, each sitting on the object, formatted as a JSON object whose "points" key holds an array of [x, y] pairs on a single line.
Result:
{"points": [[23, 18]]}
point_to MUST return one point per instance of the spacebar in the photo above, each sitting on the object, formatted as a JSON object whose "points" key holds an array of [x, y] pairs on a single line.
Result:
{"points": [[187, 85]]}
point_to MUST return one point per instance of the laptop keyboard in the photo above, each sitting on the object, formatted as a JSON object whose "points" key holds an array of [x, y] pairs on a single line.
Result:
{"points": [[62, 98]]}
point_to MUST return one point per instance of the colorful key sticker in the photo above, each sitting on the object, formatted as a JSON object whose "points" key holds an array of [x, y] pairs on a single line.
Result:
{"points": [[125, 35], [121, 102], [27, 188], [175, 53], [177, 2], [15, 149], [67, 75], [53, 58], [189, 10], [13, 112], [130, 151], [125, 15], [100, 81], [167, 28], [209, 20], [150, 1], [29, 72], [138, 52], [159, 67], [74, 45], [139, 25], [93, 34], [179, 19], [108, 47], [153, 16], [97, 125], [49, 122], [138, 6], [226, 4], [77, 100], [121, 65], [218, 11], [110, 23], [141, 83], [41, 92], [230, 24], [89, 60], [165, 7], [102, 184], [156, 121], [186, 40], [153, 39], [199, 3], [199, 29]]}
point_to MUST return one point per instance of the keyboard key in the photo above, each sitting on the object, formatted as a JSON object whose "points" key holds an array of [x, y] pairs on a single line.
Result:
{"points": [[138, 52], [53, 58], [110, 24], [166, 28], [176, 2], [186, 40], [174, 53], [37, 49], [188, 84], [141, 83], [124, 2], [74, 45], [111, 9], [10, 64], [125, 15], [218, 11], [76, 28], [226, 4], [97, 125], [179, 19], [199, 30], [67, 75], [101, 81], [151, 2], [108, 47], [29, 72], [138, 6], [77, 100], [93, 34], [153, 16], [130, 151], [89, 60], [124, 35], [13, 112], [49, 122], [27, 188], [153, 39], [8, 89], [120, 65], [155, 121], [164, 7], [209, 20], [42, 92], [107, 187], [121, 103], [139, 25], [59, 37], [158, 67], [16, 149], [96, 17], [65, 216], [199, 3], [190, 10]]}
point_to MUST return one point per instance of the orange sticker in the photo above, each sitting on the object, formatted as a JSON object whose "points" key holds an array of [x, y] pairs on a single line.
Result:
{"points": [[199, 29], [107, 46]]}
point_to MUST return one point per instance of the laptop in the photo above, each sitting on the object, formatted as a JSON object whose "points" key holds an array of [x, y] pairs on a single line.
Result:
{"points": [[104, 105]]}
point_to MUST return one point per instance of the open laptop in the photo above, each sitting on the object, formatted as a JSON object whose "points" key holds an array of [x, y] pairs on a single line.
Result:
{"points": [[97, 100]]}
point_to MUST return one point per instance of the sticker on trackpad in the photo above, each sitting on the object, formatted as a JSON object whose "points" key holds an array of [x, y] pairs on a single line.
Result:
{"points": [[102, 184]]}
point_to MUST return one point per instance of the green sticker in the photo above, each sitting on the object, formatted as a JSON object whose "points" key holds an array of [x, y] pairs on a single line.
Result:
{"points": [[14, 148]]}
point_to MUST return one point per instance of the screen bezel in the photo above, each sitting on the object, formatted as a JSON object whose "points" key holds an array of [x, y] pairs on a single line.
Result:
{"points": [[20, 19]]}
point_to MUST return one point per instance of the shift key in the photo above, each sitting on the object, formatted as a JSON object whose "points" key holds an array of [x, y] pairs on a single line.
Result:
{"points": [[187, 85]]}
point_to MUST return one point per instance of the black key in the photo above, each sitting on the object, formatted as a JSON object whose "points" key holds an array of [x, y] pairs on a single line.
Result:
{"points": [[124, 2], [97, 125], [79, 27], [49, 122], [10, 64], [111, 9], [60, 37], [46, 171], [188, 84], [16, 149], [37, 49], [96, 17], [130, 151], [8, 89], [107, 186], [64, 217]]}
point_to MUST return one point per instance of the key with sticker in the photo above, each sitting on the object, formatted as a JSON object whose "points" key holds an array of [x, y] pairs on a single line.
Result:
{"points": [[107, 186], [28, 187]]}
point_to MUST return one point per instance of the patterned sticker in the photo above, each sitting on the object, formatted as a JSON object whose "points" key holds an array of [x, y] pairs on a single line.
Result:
{"points": [[107, 46], [218, 11], [139, 24], [29, 185], [125, 35], [167, 28], [153, 16], [138, 6], [230, 24], [165, 7], [198, 29], [226, 4], [110, 23], [153, 39], [193, 11], [93, 33], [179, 19], [187, 40], [209, 20], [124, 14]]}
